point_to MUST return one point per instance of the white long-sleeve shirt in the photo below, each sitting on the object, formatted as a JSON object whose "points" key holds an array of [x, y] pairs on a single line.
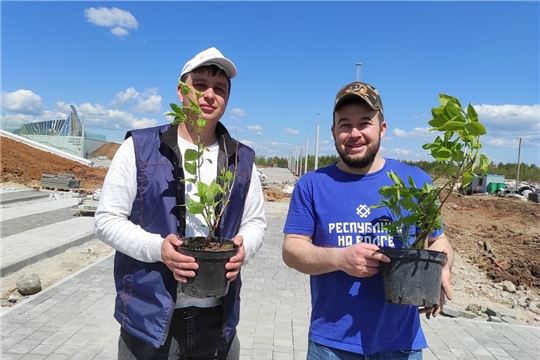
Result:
{"points": [[113, 227]]}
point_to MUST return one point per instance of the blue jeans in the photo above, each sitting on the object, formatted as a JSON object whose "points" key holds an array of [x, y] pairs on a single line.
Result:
{"points": [[321, 352], [194, 334]]}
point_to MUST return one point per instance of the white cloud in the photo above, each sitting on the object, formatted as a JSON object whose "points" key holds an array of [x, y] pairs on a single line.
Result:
{"points": [[501, 142], [254, 128], [146, 102], [509, 120], [123, 97], [291, 131], [238, 114], [117, 19], [22, 101], [150, 105], [90, 110], [399, 151], [124, 120], [416, 133], [258, 133], [119, 31]]}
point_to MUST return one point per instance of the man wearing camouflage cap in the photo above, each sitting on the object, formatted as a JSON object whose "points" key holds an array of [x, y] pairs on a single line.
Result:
{"points": [[333, 234]]}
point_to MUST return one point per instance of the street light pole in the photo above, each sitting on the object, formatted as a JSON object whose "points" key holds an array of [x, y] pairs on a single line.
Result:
{"points": [[307, 148], [358, 65]]}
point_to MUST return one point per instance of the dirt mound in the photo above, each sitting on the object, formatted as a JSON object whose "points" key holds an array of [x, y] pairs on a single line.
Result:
{"points": [[24, 164], [108, 150], [500, 235], [276, 195]]}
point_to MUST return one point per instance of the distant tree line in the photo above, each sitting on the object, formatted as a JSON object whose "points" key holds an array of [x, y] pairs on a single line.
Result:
{"points": [[509, 170]]}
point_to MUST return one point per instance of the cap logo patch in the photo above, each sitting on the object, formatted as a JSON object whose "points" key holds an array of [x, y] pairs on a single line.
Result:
{"points": [[357, 88]]}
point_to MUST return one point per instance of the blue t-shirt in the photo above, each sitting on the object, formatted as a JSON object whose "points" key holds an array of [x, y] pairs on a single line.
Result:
{"points": [[350, 313]]}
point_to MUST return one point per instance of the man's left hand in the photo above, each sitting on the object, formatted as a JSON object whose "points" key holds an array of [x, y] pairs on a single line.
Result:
{"points": [[235, 263]]}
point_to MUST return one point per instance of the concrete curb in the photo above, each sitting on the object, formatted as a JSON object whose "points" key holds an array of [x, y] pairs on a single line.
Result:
{"points": [[8, 200], [16, 266]]}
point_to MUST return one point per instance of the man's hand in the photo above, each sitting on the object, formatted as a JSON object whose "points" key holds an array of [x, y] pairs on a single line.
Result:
{"points": [[182, 266], [362, 259], [235, 263]]}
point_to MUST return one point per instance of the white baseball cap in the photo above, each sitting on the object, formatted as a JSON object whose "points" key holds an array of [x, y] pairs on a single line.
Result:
{"points": [[211, 56]]}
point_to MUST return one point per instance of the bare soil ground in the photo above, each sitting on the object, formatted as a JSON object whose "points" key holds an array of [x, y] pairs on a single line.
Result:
{"points": [[24, 165], [499, 236]]}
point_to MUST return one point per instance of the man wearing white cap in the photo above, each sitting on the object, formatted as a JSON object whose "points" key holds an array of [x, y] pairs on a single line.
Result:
{"points": [[139, 216]]}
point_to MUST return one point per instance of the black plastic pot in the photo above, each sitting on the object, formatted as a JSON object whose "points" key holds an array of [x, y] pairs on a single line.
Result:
{"points": [[413, 277], [210, 280]]}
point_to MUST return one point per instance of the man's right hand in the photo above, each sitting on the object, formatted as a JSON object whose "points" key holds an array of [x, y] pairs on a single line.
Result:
{"points": [[182, 266], [362, 259]]}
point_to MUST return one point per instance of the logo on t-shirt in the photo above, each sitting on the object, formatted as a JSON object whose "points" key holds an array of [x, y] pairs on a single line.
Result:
{"points": [[363, 211]]}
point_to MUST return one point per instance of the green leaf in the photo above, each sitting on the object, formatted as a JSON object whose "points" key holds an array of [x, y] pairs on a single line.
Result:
{"points": [[444, 99], [411, 182], [458, 156], [437, 122], [452, 112], [453, 125], [195, 208], [215, 189], [201, 123], [395, 178], [438, 111], [475, 128], [466, 179], [441, 154], [202, 188], [484, 164], [191, 168], [471, 113], [185, 89], [429, 146], [191, 155], [176, 108]]}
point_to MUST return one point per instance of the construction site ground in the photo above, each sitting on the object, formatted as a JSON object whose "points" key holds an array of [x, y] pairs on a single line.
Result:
{"points": [[500, 236]]}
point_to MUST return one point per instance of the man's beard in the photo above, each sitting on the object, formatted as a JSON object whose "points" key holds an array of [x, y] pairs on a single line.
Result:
{"points": [[360, 162]]}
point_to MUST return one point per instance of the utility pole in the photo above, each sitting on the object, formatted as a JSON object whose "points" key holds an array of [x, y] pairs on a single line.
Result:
{"points": [[519, 155], [316, 145], [300, 161]]}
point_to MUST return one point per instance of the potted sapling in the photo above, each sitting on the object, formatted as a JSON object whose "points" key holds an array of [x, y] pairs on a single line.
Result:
{"points": [[413, 277], [210, 252]]}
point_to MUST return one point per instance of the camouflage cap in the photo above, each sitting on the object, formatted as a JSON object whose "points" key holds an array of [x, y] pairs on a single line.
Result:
{"points": [[365, 91]]}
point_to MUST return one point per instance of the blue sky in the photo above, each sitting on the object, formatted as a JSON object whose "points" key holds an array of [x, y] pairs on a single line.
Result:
{"points": [[118, 63]]}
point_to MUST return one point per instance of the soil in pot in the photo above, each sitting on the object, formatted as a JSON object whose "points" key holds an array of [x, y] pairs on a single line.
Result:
{"points": [[413, 277], [209, 280]]}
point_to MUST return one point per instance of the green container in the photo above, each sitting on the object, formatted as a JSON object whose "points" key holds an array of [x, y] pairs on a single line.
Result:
{"points": [[500, 186], [491, 188]]}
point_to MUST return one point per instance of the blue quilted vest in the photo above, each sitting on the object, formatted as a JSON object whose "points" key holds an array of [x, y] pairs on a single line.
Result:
{"points": [[146, 292]]}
